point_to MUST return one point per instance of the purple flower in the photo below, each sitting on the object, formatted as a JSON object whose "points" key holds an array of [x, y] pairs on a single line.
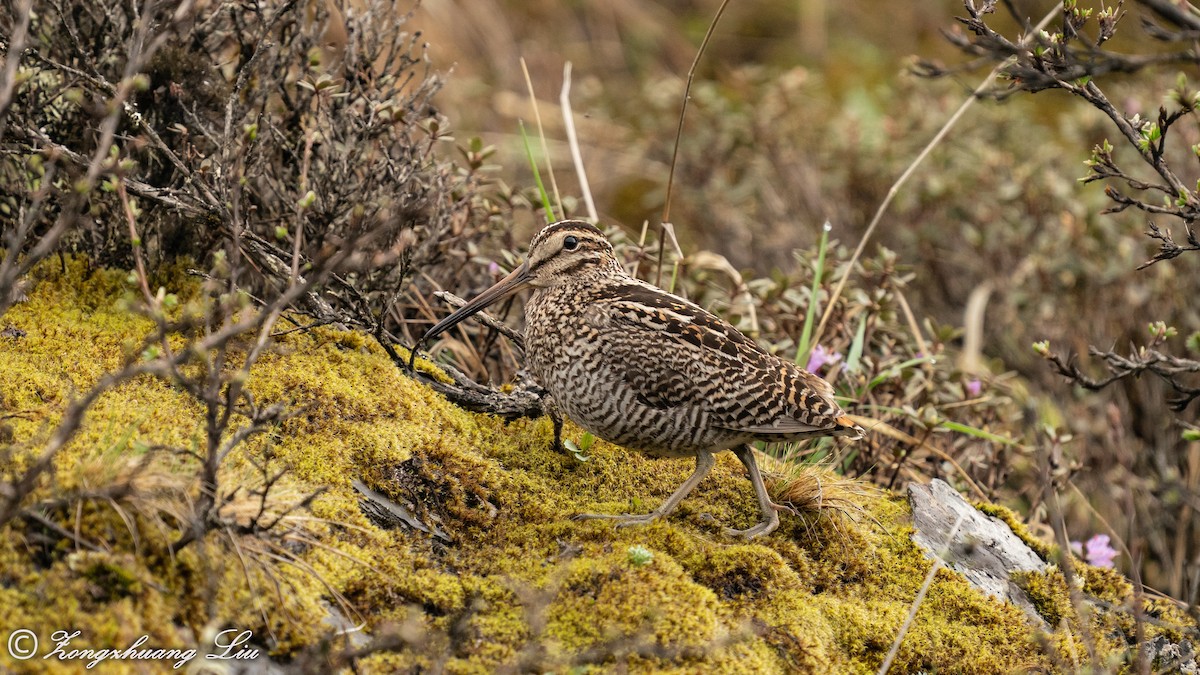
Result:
{"points": [[493, 267], [1098, 552], [974, 386], [819, 358]]}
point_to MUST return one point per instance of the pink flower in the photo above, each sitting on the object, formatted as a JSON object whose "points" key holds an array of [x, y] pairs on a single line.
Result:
{"points": [[974, 386], [493, 267], [1098, 552], [819, 358]]}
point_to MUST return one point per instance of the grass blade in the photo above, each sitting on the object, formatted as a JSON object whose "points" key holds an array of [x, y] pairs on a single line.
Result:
{"points": [[537, 175], [977, 433], [537, 118], [856, 347], [895, 370]]}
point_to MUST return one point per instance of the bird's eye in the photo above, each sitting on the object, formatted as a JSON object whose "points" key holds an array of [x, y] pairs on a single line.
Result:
{"points": [[570, 243]]}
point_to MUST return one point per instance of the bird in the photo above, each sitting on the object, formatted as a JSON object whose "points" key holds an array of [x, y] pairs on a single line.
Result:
{"points": [[648, 370]]}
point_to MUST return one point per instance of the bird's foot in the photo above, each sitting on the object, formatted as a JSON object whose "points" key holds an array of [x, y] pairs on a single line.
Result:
{"points": [[622, 520], [765, 527], [785, 508]]}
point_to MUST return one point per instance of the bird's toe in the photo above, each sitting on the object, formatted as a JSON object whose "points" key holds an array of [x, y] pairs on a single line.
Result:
{"points": [[785, 508], [623, 520], [764, 528], [638, 520]]}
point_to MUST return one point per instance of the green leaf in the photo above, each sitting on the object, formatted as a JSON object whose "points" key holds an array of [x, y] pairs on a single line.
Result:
{"points": [[579, 453], [1193, 342]]}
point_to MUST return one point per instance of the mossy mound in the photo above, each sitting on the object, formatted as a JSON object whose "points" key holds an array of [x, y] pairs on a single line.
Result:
{"points": [[514, 582]]}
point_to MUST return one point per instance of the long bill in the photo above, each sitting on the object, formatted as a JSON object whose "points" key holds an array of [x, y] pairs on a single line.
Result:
{"points": [[517, 280]]}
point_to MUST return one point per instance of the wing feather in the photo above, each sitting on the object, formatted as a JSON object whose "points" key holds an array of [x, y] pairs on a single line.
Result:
{"points": [[681, 355]]}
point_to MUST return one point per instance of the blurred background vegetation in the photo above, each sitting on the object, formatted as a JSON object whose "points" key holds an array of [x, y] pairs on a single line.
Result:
{"points": [[329, 137], [808, 110]]}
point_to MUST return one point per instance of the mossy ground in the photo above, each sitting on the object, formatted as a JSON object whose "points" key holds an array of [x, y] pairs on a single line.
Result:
{"points": [[520, 580]]}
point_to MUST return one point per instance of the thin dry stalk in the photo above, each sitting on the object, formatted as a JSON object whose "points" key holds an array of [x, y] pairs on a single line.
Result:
{"points": [[912, 323], [537, 117], [912, 611], [1108, 528], [15, 47], [687, 94], [890, 431], [1066, 564], [971, 360], [564, 100], [912, 168]]}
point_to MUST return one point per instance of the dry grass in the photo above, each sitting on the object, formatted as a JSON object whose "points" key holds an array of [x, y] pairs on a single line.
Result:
{"points": [[816, 488]]}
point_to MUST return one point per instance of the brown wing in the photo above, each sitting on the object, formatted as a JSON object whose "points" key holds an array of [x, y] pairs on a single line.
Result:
{"points": [[688, 357]]}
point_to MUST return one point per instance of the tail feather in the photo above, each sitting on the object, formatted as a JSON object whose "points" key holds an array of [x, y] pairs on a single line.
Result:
{"points": [[847, 428]]}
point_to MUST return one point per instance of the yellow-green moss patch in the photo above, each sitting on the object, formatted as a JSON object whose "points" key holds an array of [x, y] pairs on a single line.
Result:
{"points": [[514, 580], [1045, 550]]}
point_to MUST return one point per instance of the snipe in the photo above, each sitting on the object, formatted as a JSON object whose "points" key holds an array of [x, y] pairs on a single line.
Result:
{"points": [[648, 370]]}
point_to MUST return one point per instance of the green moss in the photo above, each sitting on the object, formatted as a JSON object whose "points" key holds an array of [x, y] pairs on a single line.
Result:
{"points": [[1107, 602], [1048, 593], [1011, 518], [110, 577], [519, 580], [1103, 583]]}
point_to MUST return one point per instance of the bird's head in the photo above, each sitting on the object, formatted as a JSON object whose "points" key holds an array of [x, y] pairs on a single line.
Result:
{"points": [[562, 252]]}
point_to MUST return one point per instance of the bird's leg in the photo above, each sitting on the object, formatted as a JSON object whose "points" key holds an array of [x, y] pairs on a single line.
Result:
{"points": [[769, 508], [704, 464], [556, 418]]}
